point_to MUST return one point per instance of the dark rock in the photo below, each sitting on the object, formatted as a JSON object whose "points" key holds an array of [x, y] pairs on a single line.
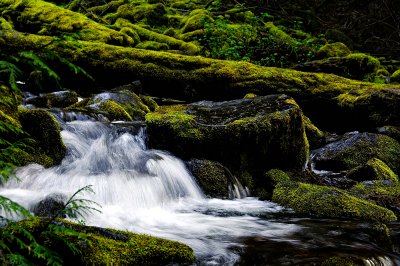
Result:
{"points": [[212, 177], [45, 130], [249, 136], [355, 149], [50, 206], [374, 169], [391, 131], [59, 99]]}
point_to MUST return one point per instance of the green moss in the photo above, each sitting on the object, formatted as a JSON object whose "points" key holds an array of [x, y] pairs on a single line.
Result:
{"points": [[383, 193], [339, 261], [374, 169], [114, 111], [395, 77], [100, 246], [192, 77], [196, 20], [249, 96], [212, 177], [280, 35], [150, 14], [151, 45], [48, 19], [5, 24], [315, 136], [336, 49], [149, 102], [175, 118], [323, 201], [277, 176], [44, 129]]}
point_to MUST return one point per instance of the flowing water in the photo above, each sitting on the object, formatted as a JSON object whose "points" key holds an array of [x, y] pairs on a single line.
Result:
{"points": [[151, 192]]}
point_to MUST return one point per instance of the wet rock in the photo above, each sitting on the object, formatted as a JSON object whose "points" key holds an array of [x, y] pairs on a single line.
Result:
{"points": [[355, 66], [355, 149], [119, 105], [59, 99], [374, 169], [50, 206], [246, 135], [44, 129], [324, 201], [385, 193], [391, 131], [213, 178], [100, 246]]}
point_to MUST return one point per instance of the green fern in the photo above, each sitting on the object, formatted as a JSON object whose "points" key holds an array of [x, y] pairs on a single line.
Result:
{"points": [[12, 71]]}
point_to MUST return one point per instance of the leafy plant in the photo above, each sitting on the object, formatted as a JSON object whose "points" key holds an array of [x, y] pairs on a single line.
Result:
{"points": [[35, 68]]}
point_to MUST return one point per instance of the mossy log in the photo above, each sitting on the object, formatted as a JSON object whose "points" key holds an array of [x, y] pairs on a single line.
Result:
{"points": [[351, 104]]}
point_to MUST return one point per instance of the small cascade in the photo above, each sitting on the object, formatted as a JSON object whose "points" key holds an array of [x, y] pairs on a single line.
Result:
{"points": [[151, 192]]}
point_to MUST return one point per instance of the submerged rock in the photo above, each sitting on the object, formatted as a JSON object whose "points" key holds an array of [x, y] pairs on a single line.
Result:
{"points": [[323, 201], [356, 149], [246, 135]]}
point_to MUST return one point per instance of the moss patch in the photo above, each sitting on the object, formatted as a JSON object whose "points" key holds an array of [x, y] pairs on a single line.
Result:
{"points": [[44, 129], [322, 201], [374, 169], [336, 49], [99, 246]]}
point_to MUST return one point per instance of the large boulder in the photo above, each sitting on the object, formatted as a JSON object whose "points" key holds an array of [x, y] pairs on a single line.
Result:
{"points": [[374, 169], [355, 149], [246, 135]]}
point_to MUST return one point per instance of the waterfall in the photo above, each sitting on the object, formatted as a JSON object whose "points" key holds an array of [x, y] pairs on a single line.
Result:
{"points": [[144, 191]]}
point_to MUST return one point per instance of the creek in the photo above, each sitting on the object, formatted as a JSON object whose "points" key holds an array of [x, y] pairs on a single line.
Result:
{"points": [[151, 192]]}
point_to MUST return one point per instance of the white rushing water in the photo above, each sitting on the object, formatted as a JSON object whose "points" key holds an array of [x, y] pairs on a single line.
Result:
{"points": [[146, 191]]}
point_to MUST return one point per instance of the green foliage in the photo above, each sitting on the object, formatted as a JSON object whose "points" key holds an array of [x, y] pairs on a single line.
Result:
{"points": [[36, 68], [19, 246], [258, 42]]}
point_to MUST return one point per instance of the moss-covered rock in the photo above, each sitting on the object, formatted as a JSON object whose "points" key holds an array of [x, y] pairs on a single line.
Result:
{"points": [[196, 20], [276, 176], [395, 77], [44, 129], [99, 246], [391, 131], [323, 201], [58, 99], [315, 136], [120, 105], [374, 169], [382, 192], [357, 149], [356, 66], [339, 261], [265, 132], [213, 178], [151, 45], [336, 49]]}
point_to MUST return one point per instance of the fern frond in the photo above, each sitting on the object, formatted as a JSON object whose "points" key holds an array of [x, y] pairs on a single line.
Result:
{"points": [[74, 68], [18, 259], [13, 73], [37, 63], [10, 207]]}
